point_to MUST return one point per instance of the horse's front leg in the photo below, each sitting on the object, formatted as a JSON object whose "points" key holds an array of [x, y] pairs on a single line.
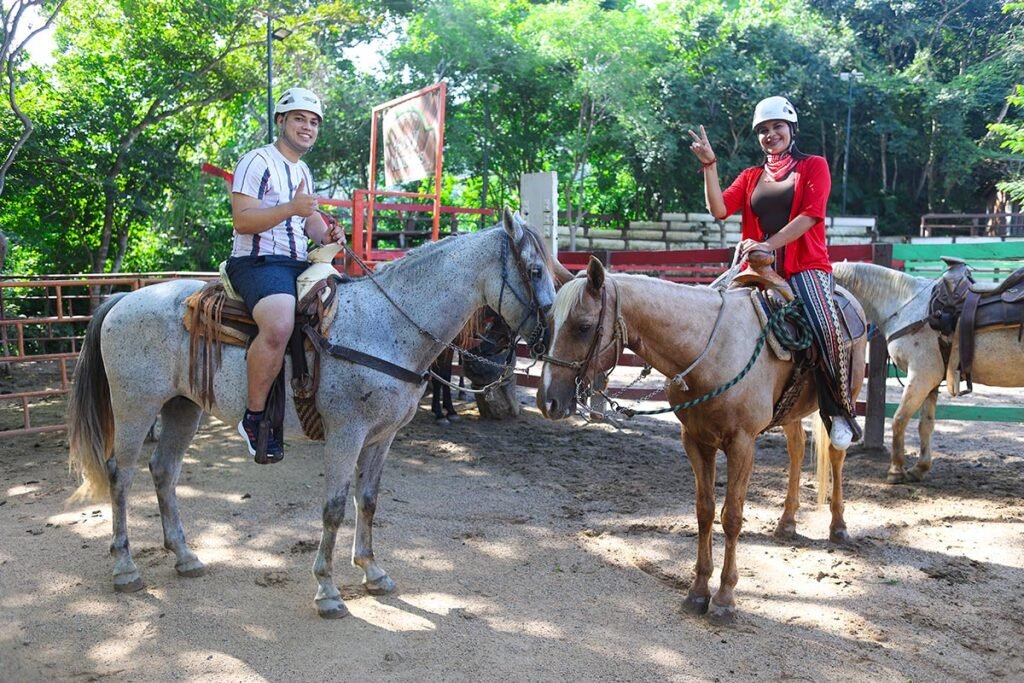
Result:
{"points": [[340, 452], [914, 394], [925, 429], [702, 460], [740, 459], [837, 532], [179, 423], [796, 445], [368, 471]]}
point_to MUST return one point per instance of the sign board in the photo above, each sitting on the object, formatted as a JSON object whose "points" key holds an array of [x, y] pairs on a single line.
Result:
{"points": [[410, 134]]}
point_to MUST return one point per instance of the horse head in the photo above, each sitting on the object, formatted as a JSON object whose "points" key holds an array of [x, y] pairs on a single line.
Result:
{"points": [[587, 340], [527, 288]]}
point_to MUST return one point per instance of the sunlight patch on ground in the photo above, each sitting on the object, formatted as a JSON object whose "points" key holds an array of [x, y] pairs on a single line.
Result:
{"points": [[386, 617], [122, 647], [499, 551], [431, 560], [663, 656], [533, 628], [210, 665], [23, 489], [93, 608]]}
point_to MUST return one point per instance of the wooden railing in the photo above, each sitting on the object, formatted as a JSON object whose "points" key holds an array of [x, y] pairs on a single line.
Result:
{"points": [[972, 224]]}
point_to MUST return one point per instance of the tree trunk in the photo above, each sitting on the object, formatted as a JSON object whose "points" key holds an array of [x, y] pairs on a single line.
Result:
{"points": [[499, 402]]}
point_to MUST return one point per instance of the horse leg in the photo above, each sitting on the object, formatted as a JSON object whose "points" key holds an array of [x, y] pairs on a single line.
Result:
{"points": [[914, 394], [340, 449], [925, 428], [740, 458], [179, 423], [837, 528], [702, 460], [368, 471], [795, 444], [121, 473], [435, 398]]}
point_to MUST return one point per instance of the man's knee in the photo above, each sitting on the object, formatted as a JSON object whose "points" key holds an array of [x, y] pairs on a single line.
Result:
{"points": [[275, 318]]}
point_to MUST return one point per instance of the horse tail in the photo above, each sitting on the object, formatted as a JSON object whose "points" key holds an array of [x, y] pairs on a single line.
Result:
{"points": [[822, 462], [90, 414]]}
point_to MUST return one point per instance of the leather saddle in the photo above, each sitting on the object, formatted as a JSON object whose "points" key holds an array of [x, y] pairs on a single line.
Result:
{"points": [[216, 315], [853, 327], [958, 307]]}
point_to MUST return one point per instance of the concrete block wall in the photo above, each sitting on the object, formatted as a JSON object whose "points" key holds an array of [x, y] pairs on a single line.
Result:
{"points": [[684, 231]]}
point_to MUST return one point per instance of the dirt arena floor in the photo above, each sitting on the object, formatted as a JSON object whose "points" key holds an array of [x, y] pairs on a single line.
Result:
{"points": [[524, 551]]}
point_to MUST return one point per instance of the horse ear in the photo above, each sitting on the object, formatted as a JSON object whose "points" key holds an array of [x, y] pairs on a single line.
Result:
{"points": [[595, 274], [513, 225]]}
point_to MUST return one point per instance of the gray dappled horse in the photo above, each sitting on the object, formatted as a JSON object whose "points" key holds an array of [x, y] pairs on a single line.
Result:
{"points": [[134, 366], [673, 327], [897, 304]]}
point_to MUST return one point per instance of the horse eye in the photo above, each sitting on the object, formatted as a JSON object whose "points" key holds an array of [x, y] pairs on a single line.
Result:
{"points": [[584, 328], [535, 272]]}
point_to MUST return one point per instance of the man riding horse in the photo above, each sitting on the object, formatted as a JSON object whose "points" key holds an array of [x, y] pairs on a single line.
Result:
{"points": [[274, 212]]}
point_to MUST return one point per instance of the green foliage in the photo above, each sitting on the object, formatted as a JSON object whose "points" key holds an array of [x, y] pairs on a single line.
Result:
{"points": [[602, 92]]}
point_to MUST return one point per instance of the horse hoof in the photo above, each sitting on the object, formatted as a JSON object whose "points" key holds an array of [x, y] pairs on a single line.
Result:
{"points": [[382, 586], [133, 586], [786, 532], [915, 475], [840, 537], [452, 417], [721, 616], [896, 478], [331, 609], [191, 570], [441, 420], [696, 604]]}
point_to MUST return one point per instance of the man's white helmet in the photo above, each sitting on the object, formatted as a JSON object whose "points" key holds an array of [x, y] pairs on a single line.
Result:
{"points": [[772, 108], [299, 99]]}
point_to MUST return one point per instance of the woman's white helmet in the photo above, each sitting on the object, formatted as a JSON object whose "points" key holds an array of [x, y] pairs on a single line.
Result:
{"points": [[299, 99], [772, 108]]}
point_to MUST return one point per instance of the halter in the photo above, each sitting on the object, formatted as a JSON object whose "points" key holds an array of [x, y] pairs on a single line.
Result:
{"points": [[535, 341]]}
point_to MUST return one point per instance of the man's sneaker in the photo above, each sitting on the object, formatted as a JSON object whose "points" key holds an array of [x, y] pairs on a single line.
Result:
{"points": [[249, 428], [841, 434]]}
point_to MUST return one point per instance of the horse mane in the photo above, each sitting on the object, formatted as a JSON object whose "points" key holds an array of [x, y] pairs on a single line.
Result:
{"points": [[569, 295], [417, 259], [878, 283]]}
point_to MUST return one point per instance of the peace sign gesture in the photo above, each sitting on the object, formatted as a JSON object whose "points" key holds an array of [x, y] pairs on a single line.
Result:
{"points": [[701, 147]]}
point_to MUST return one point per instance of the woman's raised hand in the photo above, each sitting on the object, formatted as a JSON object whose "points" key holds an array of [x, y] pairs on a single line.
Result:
{"points": [[701, 147]]}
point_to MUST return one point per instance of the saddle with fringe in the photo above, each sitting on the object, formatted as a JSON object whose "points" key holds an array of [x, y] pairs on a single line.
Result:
{"points": [[213, 317]]}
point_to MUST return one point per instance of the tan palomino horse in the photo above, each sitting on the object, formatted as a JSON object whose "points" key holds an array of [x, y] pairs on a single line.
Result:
{"points": [[669, 325], [895, 301]]}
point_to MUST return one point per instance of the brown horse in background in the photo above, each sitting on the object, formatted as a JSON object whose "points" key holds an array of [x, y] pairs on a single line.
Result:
{"points": [[671, 326]]}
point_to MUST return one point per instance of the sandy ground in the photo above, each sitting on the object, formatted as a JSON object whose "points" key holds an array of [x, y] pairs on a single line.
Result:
{"points": [[524, 551]]}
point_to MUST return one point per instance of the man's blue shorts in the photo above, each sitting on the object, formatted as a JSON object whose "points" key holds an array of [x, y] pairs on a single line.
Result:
{"points": [[256, 277]]}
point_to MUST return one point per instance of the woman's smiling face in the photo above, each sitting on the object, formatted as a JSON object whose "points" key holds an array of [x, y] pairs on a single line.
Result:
{"points": [[775, 136]]}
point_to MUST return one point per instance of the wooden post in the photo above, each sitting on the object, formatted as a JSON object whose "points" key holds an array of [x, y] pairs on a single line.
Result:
{"points": [[874, 419]]}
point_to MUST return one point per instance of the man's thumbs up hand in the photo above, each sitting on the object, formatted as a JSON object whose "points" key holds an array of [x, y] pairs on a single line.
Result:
{"points": [[303, 203]]}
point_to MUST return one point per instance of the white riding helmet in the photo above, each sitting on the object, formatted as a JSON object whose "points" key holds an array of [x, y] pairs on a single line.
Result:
{"points": [[772, 108], [299, 99]]}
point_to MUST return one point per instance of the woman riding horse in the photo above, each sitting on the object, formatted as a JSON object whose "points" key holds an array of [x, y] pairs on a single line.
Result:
{"points": [[783, 209]]}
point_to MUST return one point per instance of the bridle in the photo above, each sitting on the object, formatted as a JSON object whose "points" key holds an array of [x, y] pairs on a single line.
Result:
{"points": [[618, 340], [534, 310]]}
